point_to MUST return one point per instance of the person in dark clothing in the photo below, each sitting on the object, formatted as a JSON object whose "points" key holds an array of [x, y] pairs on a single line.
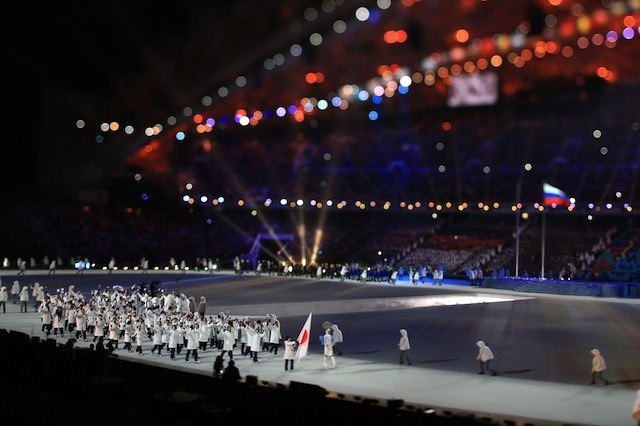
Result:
{"points": [[218, 366], [230, 378], [101, 357], [231, 374]]}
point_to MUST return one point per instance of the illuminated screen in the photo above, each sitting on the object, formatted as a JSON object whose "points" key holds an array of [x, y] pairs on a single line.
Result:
{"points": [[473, 90]]}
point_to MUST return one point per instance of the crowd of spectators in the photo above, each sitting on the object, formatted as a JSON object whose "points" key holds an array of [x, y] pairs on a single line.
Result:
{"points": [[573, 138], [62, 236]]}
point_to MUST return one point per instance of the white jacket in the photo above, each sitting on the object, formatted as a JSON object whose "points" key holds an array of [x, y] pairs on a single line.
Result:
{"points": [[173, 338], [484, 353], [45, 314], [24, 294], [254, 339], [98, 329], [403, 344], [229, 340], [337, 334], [157, 335], [598, 363], [289, 349], [114, 331], [193, 337], [274, 335]]}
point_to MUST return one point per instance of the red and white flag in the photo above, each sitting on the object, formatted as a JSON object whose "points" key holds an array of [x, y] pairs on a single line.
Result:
{"points": [[303, 339]]}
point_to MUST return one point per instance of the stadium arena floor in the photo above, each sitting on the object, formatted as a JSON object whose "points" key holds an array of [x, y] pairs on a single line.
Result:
{"points": [[541, 343]]}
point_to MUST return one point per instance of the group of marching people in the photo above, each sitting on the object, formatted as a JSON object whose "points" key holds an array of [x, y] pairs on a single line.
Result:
{"points": [[169, 323], [23, 294]]}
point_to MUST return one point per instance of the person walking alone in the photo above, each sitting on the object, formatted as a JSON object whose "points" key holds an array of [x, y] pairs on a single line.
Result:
{"points": [[598, 367], [23, 267], [484, 357], [404, 346]]}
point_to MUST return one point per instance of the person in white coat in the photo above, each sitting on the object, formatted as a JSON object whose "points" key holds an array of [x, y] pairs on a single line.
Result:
{"points": [[165, 333], [81, 323], [172, 344], [289, 353], [45, 317], [70, 320], [328, 349], [58, 321], [485, 355], [114, 334], [274, 337], [244, 338], [140, 331], [255, 337], [206, 331], [169, 302], [394, 277], [98, 327], [129, 331], [343, 272], [180, 337], [35, 289], [23, 267], [157, 332], [15, 291], [598, 367], [4, 296], [337, 339], [40, 296], [24, 299], [404, 346], [193, 339], [228, 340]]}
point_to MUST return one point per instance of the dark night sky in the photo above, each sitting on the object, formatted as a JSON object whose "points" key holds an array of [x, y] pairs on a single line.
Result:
{"points": [[101, 50]]}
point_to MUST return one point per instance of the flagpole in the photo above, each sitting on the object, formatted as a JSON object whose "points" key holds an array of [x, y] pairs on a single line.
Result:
{"points": [[544, 225], [552, 197], [518, 185]]}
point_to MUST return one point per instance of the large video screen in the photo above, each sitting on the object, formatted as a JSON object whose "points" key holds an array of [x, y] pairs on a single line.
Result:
{"points": [[473, 90]]}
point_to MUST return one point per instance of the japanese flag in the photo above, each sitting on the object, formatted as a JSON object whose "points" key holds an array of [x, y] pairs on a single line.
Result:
{"points": [[303, 339]]}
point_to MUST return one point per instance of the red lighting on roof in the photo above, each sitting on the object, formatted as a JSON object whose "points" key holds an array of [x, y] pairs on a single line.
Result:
{"points": [[393, 36]]}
